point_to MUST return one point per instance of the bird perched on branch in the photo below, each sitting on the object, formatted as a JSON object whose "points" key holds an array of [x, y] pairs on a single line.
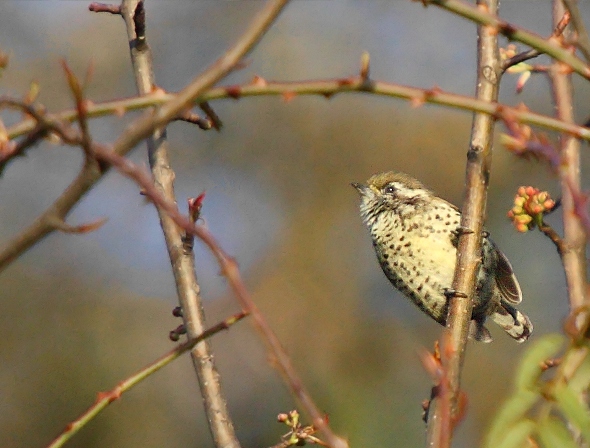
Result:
{"points": [[415, 235]]}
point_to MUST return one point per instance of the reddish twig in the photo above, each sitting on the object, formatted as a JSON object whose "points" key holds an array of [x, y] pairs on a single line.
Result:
{"points": [[105, 7], [191, 117], [574, 254], [582, 39], [106, 398], [487, 18], [211, 115], [533, 53], [580, 202], [327, 88], [231, 271], [180, 254], [138, 130], [550, 233], [469, 246]]}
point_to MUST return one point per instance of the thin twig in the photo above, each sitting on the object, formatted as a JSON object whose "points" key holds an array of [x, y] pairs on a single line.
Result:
{"points": [[212, 116], [105, 7], [512, 32], [230, 270], [106, 398], [182, 260], [194, 118], [582, 41], [469, 248], [574, 255], [326, 88], [138, 130], [533, 53], [550, 233]]}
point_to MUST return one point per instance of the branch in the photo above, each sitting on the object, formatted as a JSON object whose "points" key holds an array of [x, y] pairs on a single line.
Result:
{"points": [[230, 270], [583, 41], [139, 129], [106, 398], [181, 258], [469, 248], [550, 46], [327, 88], [574, 254], [533, 53], [575, 237], [105, 7]]}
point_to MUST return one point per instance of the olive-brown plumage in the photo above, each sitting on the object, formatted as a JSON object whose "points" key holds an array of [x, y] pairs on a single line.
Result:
{"points": [[414, 234]]}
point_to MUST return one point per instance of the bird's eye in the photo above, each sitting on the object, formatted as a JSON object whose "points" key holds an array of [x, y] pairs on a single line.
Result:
{"points": [[390, 189]]}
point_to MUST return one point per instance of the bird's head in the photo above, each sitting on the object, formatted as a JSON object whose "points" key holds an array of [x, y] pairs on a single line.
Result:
{"points": [[391, 192]]}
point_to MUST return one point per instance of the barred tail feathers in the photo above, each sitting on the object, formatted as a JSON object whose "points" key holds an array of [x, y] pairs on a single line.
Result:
{"points": [[516, 324]]}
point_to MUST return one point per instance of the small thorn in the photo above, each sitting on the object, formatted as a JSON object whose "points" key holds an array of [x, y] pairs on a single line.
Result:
{"points": [[485, 233], [365, 66], [425, 408], [461, 230], [177, 311], [450, 293]]}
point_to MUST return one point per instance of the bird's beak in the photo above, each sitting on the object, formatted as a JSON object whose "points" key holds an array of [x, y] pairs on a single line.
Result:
{"points": [[361, 188]]}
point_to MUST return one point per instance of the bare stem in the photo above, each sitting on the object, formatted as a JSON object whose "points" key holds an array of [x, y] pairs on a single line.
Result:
{"points": [[327, 88], [106, 398], [574, 240], [182, 261], [533, 53], [141, 128], [487, 17], [231, 271], [469, 249], [583, 41], [550, 233]]}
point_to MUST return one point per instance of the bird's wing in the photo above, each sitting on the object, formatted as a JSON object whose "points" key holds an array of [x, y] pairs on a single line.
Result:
{"points": [[506, 280]]}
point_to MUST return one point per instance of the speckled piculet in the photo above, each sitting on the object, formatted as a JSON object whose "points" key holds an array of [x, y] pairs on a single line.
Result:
{"points": [[415, 236]]}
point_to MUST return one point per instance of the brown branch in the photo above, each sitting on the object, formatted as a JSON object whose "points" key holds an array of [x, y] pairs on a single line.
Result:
{"points": [[469, 248], [77, 90], [533, 53], [580, 202], [191, 117], [230, 270], [212, 116], [142, 128], [550, 233], [104, 7], [327, 88], [574, 255], [583, 41], [181, 259], [512, 32], [106, 398]]}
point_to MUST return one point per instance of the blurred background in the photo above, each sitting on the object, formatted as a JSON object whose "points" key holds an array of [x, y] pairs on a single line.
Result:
{"points": [[78, 313]]}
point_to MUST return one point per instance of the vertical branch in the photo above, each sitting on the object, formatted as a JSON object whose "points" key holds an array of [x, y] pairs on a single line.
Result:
{"points": [[574, 254], [182, 260], [469, 250]]}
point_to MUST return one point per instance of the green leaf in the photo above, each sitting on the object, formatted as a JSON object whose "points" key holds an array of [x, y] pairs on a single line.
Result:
{"points": [[569, 403], [516, 436], [554, 434], [530, 368], [511, 415], [580, 381]]}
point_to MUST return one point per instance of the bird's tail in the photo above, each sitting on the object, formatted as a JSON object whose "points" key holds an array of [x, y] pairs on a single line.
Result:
{"points": [[516, 324]]}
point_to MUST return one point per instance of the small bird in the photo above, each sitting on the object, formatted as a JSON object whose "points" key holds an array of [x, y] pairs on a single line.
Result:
{"points": [[415, 236]]}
